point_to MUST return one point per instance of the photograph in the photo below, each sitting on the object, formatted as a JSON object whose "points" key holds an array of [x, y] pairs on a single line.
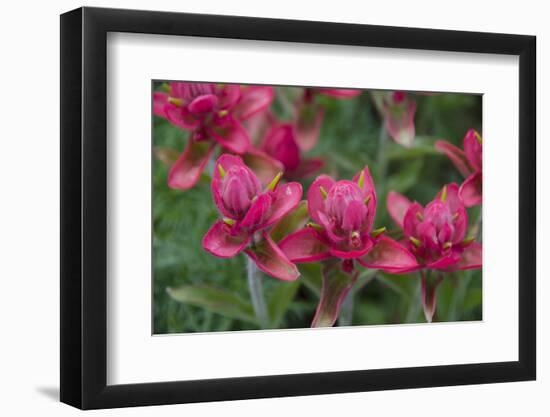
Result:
{"points": [[290, 207]]}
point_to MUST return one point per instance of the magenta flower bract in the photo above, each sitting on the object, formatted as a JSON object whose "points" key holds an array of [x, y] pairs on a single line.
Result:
{"points": [[343, 212], [436, 234], [280, 143], [213, 113], [398, 110], [470, 164], [247, 211]]}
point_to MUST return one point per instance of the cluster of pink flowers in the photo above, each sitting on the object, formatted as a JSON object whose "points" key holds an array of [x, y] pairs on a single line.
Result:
{"points": [[253, 186]]}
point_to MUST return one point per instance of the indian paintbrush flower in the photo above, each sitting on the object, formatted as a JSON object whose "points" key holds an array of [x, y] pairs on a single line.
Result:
{"points": [[470, 164], [341, 234], [436, 235], [248, 210], [213, 114]]}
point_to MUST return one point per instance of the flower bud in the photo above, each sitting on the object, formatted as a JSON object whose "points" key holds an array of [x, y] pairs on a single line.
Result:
{"points": [[238, 188]]}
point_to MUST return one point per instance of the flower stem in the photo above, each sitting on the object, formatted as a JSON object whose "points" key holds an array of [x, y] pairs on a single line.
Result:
{"points": [[382, 159], [346, 311], [256, 293]]}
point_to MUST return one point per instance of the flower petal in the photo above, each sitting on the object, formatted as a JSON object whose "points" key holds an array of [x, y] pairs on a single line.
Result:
{"points": [[315, 199], [280, 143], [366, 246], [271, 260], [471, 258], [187, 170], [264, 166], [253, 99], [257, 213], [305, 245], [159, 101], [390, 256], [219, 242], [306, 168], [231, 134], [285, 198], [401, 126], [429, 287], [452, 197], [368, 190], [308, 125], [180, 116], [228, 95], [445, 263], [336, 286], [397, 205], [473, 149], [471, 190], [456, 155], [293, 221], [203, 104], [412, 219]]}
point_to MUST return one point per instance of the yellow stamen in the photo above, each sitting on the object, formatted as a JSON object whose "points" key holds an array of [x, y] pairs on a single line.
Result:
{"points": [[444, 193], [378, 232], [275, 181], [415, 241], [314, 226], [447, 245], [175, 101], [368, 199], [222, 113], [361, 180], [228, 221], [323, 192], [221, 171]]}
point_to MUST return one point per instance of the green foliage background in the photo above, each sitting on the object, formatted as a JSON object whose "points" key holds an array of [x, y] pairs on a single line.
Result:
{"points": [[349, 139]]}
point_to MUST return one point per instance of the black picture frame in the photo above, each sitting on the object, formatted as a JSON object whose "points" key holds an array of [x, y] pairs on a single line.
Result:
{"points": [[84, 207]]}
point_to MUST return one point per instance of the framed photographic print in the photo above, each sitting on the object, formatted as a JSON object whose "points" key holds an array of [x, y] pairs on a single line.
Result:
{"points": [[257, 208]]}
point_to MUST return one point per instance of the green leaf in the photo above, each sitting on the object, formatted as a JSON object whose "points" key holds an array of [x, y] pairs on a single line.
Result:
{"points": [[214, 300], [401, 284], [310, 275], [365, 276], [407, 176], [280, 299], [473, 299], [336, 285], [292, 222]]}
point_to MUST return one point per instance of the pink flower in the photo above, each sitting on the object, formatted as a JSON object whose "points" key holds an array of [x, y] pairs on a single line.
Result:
{"points": [[309, 115], [247, 211], [398, 111], [436, 234], [343, 212], [213, 113], [280, 143], [470, 164]]}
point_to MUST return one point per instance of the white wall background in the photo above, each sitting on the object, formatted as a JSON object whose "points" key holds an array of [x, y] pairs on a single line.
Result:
{"points": [[29, 207]]}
